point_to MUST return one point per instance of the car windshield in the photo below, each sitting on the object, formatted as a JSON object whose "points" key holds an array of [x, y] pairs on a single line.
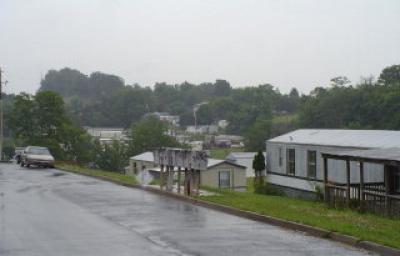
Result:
{"points": [[39, 151]]}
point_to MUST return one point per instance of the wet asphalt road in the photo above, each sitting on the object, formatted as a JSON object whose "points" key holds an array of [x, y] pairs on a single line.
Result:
{"points": [[50, 212]]}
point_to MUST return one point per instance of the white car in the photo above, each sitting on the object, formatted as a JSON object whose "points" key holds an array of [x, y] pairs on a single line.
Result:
{"points": [[39, 156]]}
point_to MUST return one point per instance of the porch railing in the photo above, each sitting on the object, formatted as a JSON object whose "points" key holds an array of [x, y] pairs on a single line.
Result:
{"points": [[374, 199]]}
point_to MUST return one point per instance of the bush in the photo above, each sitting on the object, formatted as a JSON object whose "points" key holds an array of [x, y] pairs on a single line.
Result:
{"points": [[266, 189]]}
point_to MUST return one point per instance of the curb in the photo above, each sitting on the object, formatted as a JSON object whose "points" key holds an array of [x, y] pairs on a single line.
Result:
{"points": [[310, 230]]}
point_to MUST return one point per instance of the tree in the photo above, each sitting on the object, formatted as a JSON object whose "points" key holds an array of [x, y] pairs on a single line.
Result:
{"points": [[222, 88], [22, 118], [340, 81], [150, 134], [390, 75], [259, 167], [257, 134], [41, 120], [49, 114], [111, 157]]}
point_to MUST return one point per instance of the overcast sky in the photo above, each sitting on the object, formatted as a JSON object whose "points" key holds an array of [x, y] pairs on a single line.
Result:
{"points": [[295, 43]]}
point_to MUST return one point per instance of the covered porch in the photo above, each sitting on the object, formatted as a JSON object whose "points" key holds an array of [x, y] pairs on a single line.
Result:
{"points": [[380, 197]]}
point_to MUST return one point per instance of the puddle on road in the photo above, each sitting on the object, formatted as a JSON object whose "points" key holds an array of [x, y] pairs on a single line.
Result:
{"points": [[57, 174], [88, 182], [28, 188]]}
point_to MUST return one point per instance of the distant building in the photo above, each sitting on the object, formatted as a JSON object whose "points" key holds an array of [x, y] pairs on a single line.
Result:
{"points": [[107, 134], [201, 129], [223, 124], [225, 140], [166, 117], [141, 162], [196, 145]]}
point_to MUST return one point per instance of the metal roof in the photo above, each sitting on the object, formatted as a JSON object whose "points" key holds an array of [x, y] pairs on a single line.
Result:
{"points": [[213, 162], [237, 155], [149, 157], [375, 155], [146, 156], [342, 138]]}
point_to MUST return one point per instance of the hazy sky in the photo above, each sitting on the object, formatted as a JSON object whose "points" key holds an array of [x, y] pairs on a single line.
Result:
{"points": [[247, 42]]}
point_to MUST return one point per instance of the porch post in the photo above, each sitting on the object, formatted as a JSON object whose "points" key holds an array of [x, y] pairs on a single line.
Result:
{"points": [[161, 176], [191, 176], [361, 186], [387, 189], [198, 182], [186, 183], [170, 178], [326, 194], [348, 182], [179, 180]]}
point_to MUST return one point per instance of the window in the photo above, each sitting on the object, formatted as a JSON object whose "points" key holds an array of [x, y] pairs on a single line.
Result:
{"points": [[311, 164], [224, 179], [291, 161], [280, 156]]}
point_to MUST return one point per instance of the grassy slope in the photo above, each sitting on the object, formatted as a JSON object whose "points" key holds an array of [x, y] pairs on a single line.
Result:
{"points": [[112, 176], [363, 226]]}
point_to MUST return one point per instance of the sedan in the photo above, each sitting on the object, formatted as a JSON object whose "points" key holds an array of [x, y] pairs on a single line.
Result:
{"points": [[39, 156]]}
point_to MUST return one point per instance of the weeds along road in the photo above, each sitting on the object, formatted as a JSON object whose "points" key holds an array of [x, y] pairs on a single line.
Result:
{"points": [[51, 212]]}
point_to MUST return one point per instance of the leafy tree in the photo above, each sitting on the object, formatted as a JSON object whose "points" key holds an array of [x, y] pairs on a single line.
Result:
{"points": [[22, 118], [390, 75], [150, 134], [259, 167], [41, 120], [340, 81], [257, 134], [222, 88], [49, 114], [111, 157]]}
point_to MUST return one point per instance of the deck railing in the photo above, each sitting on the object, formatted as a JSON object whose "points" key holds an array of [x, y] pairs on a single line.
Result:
{"points": [[374, 199]]}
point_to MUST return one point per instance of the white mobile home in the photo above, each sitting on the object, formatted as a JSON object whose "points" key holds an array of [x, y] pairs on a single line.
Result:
{"points": [[295, 164]]}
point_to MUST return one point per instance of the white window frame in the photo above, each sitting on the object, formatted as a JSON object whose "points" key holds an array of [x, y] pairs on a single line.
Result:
{"points": [[290, 162], [311, 164]]}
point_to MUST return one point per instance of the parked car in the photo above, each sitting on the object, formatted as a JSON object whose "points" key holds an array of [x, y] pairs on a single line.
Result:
{"points": [[39, 156]]}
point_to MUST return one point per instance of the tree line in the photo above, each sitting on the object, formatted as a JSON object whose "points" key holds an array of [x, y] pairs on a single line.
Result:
{"points": [[68, 99]]}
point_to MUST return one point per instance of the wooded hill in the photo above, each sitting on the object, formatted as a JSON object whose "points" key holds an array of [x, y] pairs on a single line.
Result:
{"points": [[256, 112]]}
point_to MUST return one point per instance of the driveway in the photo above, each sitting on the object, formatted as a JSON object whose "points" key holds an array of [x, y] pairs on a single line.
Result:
{"points": [[51, 212]]}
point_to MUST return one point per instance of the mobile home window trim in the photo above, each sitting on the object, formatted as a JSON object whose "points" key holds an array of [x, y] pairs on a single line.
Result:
{"points": [[311, 163], [291, 161]]}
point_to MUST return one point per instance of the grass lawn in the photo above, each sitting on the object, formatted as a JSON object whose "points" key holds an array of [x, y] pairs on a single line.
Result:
{"points": [[363, 226], [221, 153], [112, 176]]}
